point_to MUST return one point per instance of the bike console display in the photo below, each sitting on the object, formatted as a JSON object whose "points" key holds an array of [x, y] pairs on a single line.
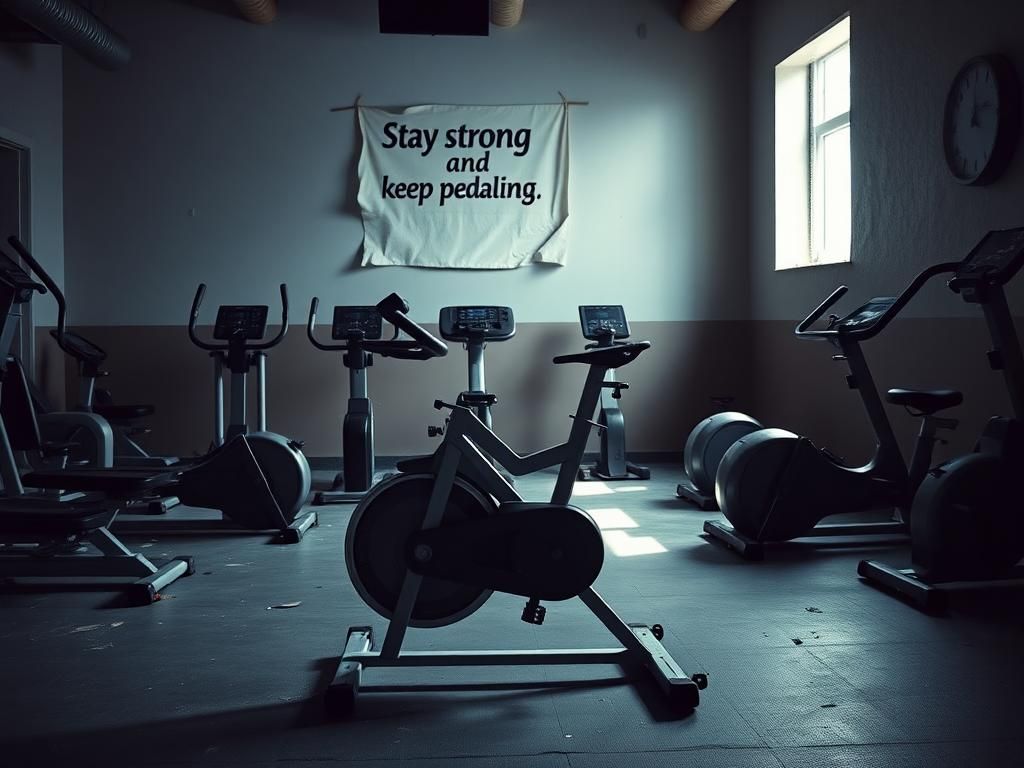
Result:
{"points": [[246, 321], [596, 317], [997, 257], [865, 315], [351, 321], [477, 323]]}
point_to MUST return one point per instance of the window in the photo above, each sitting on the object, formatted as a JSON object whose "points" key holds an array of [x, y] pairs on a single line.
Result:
{"points": [[813, 189]]}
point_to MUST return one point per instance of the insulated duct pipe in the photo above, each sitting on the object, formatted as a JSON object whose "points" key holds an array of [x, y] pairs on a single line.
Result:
{"points": [[506, 13], [699, 15], [71, 25], [258, 11]]}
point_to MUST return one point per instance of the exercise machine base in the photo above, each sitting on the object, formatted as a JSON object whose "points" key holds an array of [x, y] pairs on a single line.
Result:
{"points": [[688, 491], [633, 472], [928, 596], [337, 495], [114, 566], [148, 524], [681, 691], [749, 549]]}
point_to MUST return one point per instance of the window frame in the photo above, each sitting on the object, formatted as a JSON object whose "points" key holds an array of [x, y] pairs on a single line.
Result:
{"points": [[798, 141], [817, 132]]}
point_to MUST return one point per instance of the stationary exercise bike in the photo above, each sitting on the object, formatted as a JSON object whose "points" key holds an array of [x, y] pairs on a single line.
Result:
{"points": [[428, 549], [606, 325], [774, 486], [359, 329], [967, 521]]}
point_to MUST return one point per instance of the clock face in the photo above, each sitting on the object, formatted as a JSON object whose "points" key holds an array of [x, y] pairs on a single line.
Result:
{"points": [[981, 121]]}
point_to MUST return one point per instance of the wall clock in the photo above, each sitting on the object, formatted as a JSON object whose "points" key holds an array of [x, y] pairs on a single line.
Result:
{"points": [[981, 124]]}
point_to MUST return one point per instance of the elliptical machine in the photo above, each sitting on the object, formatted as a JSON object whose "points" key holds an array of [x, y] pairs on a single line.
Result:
{"points": [[240, 328], [967, 523], [775, 486], [65, 539], [93, 436], [258, 482], [606, 326], [428, 549], [123, 418], [360, 329]]}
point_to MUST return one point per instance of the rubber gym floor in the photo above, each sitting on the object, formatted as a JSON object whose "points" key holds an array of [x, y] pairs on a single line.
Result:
{"points": [[808, 667]]}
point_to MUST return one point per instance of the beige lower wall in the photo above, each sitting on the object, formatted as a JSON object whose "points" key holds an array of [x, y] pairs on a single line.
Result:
{"points": [[670, 386]]}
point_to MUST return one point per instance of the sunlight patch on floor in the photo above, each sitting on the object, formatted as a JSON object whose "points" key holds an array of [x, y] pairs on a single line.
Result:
{"points": [[591, 489], [622, 544], [612, 517]]}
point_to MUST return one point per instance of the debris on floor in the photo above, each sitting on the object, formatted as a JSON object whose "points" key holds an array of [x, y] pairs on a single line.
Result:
{"points": [[85, 628]]}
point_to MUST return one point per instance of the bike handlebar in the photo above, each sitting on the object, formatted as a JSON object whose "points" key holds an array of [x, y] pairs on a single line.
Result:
{"points": [[875, 327], [311, 333], [393, 308], [821, 309], [62, 305]]}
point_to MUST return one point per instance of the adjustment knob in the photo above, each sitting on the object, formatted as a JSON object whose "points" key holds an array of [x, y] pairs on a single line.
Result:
{"points": [[534, 612]]}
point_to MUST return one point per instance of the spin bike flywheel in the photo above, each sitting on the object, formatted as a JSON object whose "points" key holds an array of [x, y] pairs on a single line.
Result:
{"points": [[376, 546]]}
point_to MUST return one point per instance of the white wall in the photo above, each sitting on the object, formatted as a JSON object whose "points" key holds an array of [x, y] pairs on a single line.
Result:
{"points": [[30, 115], [908, 211], [231, 119]]}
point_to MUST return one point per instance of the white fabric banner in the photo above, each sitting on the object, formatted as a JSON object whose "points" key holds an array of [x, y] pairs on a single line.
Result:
{"points": [[464, 187]]}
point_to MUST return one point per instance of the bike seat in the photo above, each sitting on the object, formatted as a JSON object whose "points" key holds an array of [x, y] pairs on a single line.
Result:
{"points": [[607, 357], [123, 412], [417, 465], [927, 401]]}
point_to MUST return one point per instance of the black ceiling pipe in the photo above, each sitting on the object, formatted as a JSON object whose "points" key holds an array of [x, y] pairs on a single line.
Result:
{"points": [[70, 24]]}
